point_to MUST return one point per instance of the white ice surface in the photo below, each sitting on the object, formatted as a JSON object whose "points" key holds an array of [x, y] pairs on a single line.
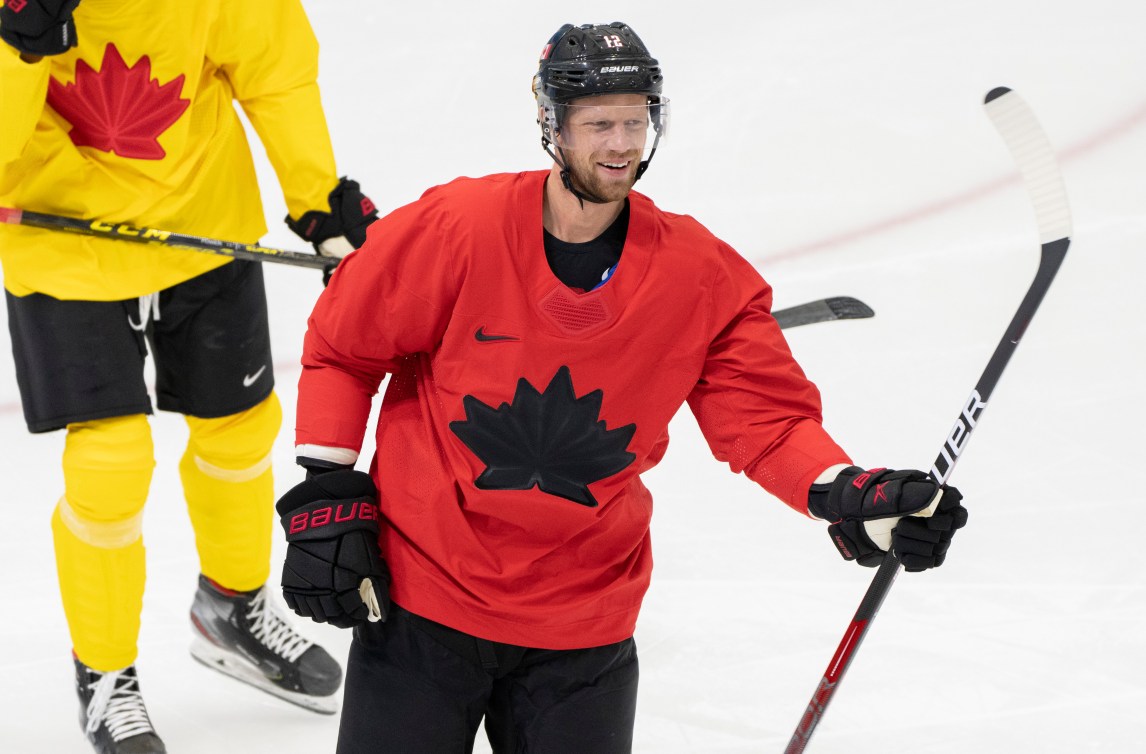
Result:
{"points": [[842, 148]]}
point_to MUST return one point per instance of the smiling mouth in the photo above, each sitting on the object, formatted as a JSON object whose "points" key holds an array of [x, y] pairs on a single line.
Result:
{"points": [[615, 166]]}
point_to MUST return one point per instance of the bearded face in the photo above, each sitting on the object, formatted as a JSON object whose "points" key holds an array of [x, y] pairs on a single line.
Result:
{"points": [[602, 140]]}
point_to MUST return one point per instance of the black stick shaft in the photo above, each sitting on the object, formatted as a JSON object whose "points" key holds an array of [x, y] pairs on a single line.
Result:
{"points": [[1053, 254], [134, 234], [1035, 159]]}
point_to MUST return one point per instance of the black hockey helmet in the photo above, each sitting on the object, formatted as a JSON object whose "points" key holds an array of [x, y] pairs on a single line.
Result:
{"points": [[580, 61], [594, 59]]}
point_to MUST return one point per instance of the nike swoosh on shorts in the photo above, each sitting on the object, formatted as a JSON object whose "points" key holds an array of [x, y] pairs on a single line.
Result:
{"points": [[250, 379]]}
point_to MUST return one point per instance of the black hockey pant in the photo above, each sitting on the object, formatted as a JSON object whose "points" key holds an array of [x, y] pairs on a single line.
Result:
{"points": [[416, 687]]}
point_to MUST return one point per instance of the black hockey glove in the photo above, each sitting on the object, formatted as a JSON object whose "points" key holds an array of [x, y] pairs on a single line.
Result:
{"points": [[870, 511], [38, 27], [334, 572], [341, 230]]}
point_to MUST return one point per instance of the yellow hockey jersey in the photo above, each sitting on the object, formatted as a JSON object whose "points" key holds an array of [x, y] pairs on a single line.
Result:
{"points": [[137, 125]]}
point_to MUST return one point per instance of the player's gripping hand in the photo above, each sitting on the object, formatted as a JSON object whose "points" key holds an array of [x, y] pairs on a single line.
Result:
{"points": [[334, 572], [38, 27], [872, 511], [341, 230]]}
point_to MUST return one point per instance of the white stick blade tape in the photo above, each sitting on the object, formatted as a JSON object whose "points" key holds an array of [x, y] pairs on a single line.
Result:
{"points": [[1036, 161]]}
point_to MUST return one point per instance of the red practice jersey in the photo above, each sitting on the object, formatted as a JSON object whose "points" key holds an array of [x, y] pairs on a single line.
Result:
{"points": [[520, 414]]}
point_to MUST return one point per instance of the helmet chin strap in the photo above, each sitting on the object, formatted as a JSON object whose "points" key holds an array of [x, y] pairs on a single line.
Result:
{"points": [[644, 164], [567, 182], [567, 179]]}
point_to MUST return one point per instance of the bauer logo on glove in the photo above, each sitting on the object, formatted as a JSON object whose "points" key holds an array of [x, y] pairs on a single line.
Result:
{"points": [[358, 510], [334, 572]]}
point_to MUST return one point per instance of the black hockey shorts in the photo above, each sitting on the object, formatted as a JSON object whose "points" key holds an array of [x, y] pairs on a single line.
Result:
{"points": [[83, 360], [417, 687]]}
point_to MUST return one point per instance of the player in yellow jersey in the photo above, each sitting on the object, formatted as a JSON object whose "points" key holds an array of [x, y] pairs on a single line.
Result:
{"points": [[123, 111]]}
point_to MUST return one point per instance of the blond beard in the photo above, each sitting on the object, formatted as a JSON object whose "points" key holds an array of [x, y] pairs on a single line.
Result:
{"points": [[585, 179]]}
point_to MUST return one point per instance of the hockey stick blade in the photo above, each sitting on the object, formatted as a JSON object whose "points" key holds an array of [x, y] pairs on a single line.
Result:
{"points": [[142, 235], [1035, 158], [823, 310]]}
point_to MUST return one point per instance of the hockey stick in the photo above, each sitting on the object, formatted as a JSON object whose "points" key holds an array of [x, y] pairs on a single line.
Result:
{"points": [[824, 310], [127, 232], [1035, 158]]}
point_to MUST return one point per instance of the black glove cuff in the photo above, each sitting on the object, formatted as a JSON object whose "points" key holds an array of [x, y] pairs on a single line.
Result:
{"points": [[831, 506], [879, 493], [328, 505], [351, 212], [342, 484], [318, 466]]}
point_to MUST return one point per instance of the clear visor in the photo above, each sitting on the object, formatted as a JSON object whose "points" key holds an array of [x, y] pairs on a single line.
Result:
{"points": [[608, 128]]}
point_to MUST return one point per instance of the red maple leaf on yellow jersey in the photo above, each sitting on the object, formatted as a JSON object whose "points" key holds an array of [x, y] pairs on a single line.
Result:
{"points": [[118, 108]]}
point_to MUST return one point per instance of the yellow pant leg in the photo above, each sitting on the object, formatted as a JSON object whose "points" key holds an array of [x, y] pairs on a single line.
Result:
{"points": [[230, 493], [97, 528]]}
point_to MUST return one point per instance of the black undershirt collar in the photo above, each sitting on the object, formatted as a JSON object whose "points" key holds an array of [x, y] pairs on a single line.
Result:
{"points": [[581, 266]]}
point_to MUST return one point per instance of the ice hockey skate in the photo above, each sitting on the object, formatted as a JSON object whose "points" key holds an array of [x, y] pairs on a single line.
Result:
{"points": [[112, 712], [242, 635]]}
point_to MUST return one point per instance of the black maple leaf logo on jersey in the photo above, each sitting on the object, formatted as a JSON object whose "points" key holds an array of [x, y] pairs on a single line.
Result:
{"points": [[553, 440]]}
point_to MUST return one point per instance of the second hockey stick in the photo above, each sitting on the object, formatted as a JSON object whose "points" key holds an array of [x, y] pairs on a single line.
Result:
{"points": [[1036, 161], [128, 232], [823, 310]]}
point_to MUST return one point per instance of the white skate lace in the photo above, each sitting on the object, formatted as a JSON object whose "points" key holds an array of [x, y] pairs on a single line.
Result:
{"points": [[272, 631], [117, 704]]}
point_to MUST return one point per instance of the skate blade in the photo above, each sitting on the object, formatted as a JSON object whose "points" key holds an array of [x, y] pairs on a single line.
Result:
{"points": [[239, 669]]}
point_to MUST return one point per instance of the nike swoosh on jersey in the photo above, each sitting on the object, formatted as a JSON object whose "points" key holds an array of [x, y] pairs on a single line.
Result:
{"points": [[250, 379], [481, 337]]}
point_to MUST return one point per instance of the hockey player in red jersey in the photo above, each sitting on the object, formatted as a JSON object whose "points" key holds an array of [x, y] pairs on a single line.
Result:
{"points": [[540, 329]]}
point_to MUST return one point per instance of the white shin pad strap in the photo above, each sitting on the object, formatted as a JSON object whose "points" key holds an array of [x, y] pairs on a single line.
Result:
{"points": [[234, 475], [110, 535]]}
